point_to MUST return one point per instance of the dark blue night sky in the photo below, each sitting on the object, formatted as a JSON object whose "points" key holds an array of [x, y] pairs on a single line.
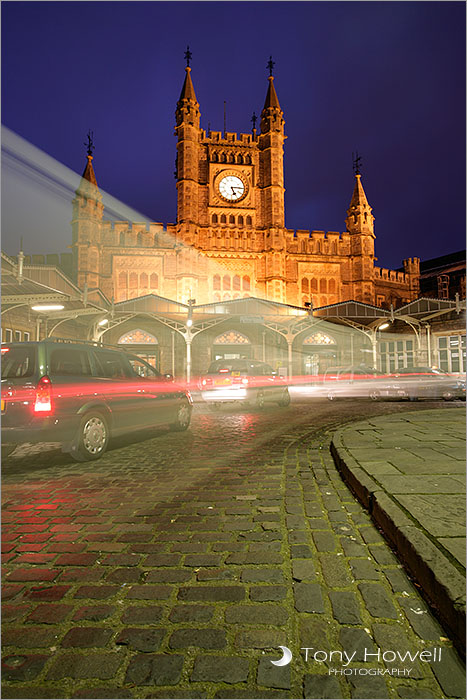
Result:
{"points": [[384, 78]]}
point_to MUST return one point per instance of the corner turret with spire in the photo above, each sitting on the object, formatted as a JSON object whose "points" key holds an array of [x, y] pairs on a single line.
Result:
{"points": [[359, 217]]}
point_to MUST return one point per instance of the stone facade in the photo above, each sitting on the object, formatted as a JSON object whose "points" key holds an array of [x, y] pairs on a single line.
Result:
{"points": [[230, 239]]}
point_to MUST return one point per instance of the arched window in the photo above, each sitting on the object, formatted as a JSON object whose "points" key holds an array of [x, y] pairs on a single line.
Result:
{"points": [[222, 158], [314, 285], [240, 220], [248, 221], [122, 279], [236, 282], [319, 339], [226, 297], [143, 280], [138, 337], [217, 296], [139, 239], [223, 219], [231, 219], [226, 282], [332, 286], [246, 282], [231, 338], [231, 158], [216, 282], [236, 296], [214, 218], [248, 160], [122, 238], [214, 158], [240, 159], [323, 287], [154, 281], [133, 280], [305, 285]]}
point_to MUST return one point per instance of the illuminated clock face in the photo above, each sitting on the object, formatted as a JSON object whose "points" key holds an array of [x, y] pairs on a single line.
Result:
{"points": [[231, 188]]}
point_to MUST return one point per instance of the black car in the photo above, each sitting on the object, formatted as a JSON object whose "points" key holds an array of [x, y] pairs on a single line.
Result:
{"points": [[250, 382], [82, 394]]}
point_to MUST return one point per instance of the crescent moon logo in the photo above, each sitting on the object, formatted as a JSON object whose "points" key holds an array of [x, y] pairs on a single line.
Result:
{"points": [[286, 659]]}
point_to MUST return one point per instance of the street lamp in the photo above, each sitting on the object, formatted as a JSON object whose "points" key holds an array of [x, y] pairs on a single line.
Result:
{"points": [[188, 338]]}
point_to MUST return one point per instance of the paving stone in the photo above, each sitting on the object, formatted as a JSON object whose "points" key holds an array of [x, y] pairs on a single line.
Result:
{"points": [[371, 535], [273, 676], [259, 638], [399, 582], [254, 558], [352, 548], [76, 559], [299, 537], [24, 667], [202, 560], [266, 575], [262, 593], [96, 592], [320, 686], [212, 593], [304, 570], [191, 613], [31, 637], [217, 575], [345, 607], [128, 575], [33, 574], [220, 669], [50, 613], [318, 524], [404, 691], [377, 600], [314, 509], [383, 555], [142, 614], [94, 613], [391, 638], [203, 637], [86, 637], [324, 541], [141, 639], [421, 619], [356, 639], [364, 569], [301, 551], [32, 691], [106, 692], [308, 597], [121, 560], [450, 673], [154, 669], [146, 592], [263, 614], [90, 665], [47, 592], [334, 571], [83, 574], [168, 576], [368, 687]]}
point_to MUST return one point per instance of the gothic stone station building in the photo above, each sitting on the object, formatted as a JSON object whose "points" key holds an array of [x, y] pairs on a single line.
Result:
{"points": [[229, 279]]}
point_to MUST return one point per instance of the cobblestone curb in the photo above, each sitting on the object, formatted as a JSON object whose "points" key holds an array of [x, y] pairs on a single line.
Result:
{"points": [[442, 584]]}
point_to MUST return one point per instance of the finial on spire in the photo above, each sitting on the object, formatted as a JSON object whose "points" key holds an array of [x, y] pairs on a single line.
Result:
{"points": [[356, 161], [254, 120], [90, 144], [188, 56], [271, 65]]}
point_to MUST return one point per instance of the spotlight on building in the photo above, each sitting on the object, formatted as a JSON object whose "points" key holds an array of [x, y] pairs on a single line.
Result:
{"points": [[104, 322], [189, 323], [47, 307], [383, 326]]}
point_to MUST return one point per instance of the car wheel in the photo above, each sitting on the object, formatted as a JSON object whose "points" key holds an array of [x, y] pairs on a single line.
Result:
{"points": [[331, 396], [183, 417], [448, 396], [285, 400], [92, 437], [7, 450], [259, 402], [374, 395]]}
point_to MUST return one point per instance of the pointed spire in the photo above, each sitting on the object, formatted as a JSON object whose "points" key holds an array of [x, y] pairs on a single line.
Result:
{"points": [[359, 217], [188, 91], [89, 173], [88, 184], [271, 96]]}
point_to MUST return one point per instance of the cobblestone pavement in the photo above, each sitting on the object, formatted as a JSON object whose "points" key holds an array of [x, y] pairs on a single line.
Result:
{"points": [[174, 567]]}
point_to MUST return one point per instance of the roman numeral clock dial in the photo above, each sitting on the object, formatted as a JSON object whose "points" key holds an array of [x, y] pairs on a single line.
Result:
{"points": [[232, 188]]}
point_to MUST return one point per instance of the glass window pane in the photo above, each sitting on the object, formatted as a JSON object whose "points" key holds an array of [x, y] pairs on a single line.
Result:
{"points": [[442, 342]]}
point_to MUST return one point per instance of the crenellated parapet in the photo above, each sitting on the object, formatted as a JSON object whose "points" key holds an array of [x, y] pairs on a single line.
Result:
{"points": [[382, 273], [303, 241]]}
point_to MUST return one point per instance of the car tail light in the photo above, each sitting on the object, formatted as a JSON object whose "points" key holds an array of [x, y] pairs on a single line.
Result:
{"points": [[43, 400], [245, 380], [222, 371]]}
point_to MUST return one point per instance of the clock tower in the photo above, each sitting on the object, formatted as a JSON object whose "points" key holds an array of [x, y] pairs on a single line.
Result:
{"points": [[230, 195]]}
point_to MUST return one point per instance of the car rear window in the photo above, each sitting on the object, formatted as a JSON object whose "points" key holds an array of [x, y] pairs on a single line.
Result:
{"points": [[18, 362], [70, 361]]}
